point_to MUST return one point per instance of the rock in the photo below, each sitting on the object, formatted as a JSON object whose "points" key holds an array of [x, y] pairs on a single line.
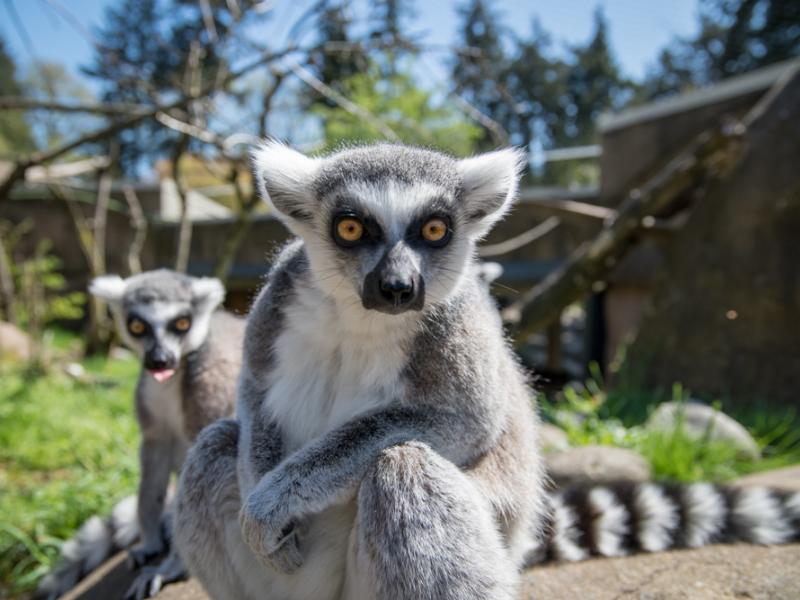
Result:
{"points": [[787, 478], [552, 438], [120, 353], [700, 420], [188, 590], [713, 572], [15, 344], [597, 464]]}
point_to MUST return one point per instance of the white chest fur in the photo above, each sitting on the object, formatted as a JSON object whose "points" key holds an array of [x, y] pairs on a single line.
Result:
{"points": [[329, 370], [164, 402]]}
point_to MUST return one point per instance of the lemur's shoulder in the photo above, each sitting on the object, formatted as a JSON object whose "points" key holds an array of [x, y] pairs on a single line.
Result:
{"points": [[210, 373], [265, 319]]}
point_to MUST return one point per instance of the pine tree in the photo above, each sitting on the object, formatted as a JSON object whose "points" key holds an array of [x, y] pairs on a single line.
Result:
{"points": [[735, 36], [388, 33], [537, 82], [481, 67], [15, 134], [132, 64], [336, 56], [594, 85]]}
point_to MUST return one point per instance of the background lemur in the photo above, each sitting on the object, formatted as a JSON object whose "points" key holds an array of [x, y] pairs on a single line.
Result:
{"points": [[191, 356], [386, 444]]}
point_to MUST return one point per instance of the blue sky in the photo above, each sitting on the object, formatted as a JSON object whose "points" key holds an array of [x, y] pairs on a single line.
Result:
{"points": [[638, 29]]}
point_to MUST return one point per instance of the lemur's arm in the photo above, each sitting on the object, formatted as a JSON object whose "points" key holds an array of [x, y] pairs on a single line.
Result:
{"points": [[260, 444], [156, 465], [329, 470]]}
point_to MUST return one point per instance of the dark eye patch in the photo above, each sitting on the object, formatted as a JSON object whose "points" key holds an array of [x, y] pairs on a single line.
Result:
{"points": [[414, 232], [181, 324], [137, 326], [372, 232]]}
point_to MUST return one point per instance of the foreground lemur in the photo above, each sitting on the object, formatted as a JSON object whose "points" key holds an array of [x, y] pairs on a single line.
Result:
{"points": [[191, 356], [386, 445]]}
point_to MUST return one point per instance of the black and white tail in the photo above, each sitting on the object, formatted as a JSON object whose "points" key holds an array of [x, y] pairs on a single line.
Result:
{"points": [[625, 518], [96, 540]]}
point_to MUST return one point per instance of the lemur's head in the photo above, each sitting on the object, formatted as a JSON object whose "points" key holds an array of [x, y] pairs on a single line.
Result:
{"points": [[389, 227], [161, 315]]}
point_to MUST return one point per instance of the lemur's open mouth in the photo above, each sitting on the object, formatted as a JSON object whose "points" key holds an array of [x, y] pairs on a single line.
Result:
{"points": [[161, 375]]}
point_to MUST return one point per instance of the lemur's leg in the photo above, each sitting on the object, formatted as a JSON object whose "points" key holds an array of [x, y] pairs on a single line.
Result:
{"points": [[207, 532], [155, 457], [422, 531]]}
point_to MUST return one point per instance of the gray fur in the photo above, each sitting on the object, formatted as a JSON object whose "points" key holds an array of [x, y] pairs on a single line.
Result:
{"points": [[409, 435], [170, 413]]}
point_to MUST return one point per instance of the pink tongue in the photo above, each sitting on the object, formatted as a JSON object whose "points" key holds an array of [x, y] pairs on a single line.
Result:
{"points": [[161, 375]]}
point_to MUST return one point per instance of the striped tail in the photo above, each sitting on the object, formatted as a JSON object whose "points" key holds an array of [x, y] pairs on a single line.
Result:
{"points": [[95, 541], [625, 518]]}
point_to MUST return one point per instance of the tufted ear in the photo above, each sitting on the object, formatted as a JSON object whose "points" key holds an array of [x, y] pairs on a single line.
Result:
{"points": [[108, 287], [489, 184], [284, 178], [207, 293]]}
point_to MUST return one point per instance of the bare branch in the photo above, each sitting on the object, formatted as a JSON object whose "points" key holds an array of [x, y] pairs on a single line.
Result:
{"points": [[355, 109], [139, 225], [100, 108], [99, 223], [518, 241], [70, 169], [208, 20], [185, 228]]}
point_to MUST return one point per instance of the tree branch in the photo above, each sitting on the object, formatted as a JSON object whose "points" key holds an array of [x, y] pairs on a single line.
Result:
{"points": [[521, 240], [139, 226], [100, 108], [709, 155]]}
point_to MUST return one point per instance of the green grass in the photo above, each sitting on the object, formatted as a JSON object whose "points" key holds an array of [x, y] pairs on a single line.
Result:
{"points": [[68, 450], [590, 415]]}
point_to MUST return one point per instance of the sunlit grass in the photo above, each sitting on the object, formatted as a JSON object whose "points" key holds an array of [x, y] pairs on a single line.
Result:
{"points": [[590, 415], [67, 451]]}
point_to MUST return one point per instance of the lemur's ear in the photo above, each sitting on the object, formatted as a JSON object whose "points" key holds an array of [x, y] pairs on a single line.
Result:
{"points": [[489, 184], [108, 287], [208, 292], [284, 178]]}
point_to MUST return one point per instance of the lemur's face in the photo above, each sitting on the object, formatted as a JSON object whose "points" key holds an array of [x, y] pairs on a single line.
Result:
{"points": [[160, 315], [388, 228]]}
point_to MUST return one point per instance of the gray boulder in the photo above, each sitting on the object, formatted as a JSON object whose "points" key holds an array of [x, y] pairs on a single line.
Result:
{"points": [[596, 464], [699, 420], [552, 438], [15, 344]]}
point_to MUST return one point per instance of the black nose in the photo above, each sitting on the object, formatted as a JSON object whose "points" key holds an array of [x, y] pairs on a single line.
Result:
{"points": [[159, 363], [158, 358], [397, 291]]}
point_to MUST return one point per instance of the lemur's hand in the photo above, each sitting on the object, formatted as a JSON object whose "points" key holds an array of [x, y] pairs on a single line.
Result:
{"points": [[141, 554], [270, 521]]}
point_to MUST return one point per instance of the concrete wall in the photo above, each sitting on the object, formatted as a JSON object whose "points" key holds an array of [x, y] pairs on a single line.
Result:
{"points": [[724, 320]]}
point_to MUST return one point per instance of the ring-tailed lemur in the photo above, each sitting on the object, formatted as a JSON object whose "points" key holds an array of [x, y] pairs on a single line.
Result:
{"points": [[191, 356], [386, 446]]}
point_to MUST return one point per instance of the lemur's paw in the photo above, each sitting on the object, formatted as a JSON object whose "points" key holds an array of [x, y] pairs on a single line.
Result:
{"points": [[140, 555], [151, 580], [278, 548]]}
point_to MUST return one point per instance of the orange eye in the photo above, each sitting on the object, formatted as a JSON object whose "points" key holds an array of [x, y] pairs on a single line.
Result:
{"points": [[349, 229], [183, 324], [434, 230], [137, 327]]}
